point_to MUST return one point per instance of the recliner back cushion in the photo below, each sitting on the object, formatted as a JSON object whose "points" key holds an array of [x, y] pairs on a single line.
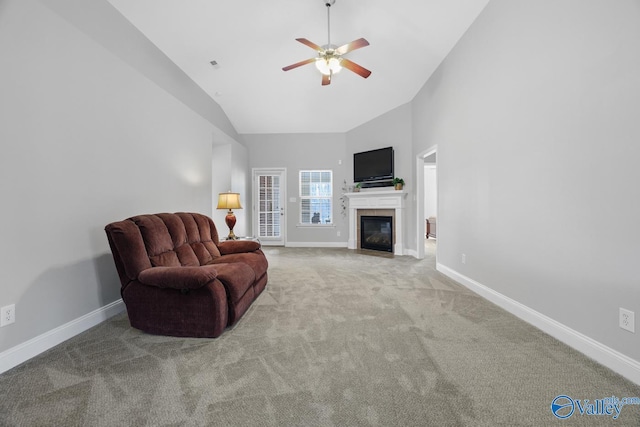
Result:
{"points": [[174, 240], [202, 236], [176, 229]]}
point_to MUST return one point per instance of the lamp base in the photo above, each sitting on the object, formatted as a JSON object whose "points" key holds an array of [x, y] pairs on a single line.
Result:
{"points": [[230, 219]]}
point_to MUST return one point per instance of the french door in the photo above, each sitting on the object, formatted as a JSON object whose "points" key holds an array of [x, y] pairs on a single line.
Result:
{"points": [[269, 221]]}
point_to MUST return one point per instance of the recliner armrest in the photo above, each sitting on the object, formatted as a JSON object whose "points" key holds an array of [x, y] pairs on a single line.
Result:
{"points": [[178, 277], [237, 246]]}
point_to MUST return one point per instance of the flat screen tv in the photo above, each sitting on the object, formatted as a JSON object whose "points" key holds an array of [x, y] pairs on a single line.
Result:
{"points": [[374, 165]]}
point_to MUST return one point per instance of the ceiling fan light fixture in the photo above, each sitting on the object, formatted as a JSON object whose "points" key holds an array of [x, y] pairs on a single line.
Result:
{"points": [[329, 60], [328, 66]]}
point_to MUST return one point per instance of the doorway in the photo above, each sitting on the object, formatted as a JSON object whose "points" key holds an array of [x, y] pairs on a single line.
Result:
{"points": [[424, 158], [269, 223]]}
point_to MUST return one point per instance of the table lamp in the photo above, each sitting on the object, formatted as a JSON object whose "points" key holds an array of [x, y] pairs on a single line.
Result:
{"points": [[229, 201]]}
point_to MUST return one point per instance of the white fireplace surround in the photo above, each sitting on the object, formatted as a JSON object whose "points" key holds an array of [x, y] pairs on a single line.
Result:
{"points": [[377, 199]]}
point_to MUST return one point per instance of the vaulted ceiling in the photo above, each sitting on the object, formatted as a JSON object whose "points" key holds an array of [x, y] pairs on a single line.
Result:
{"points": [[251, 40]]}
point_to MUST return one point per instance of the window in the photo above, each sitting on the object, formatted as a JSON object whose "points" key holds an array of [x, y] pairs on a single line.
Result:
{"points": [[316, 197]]}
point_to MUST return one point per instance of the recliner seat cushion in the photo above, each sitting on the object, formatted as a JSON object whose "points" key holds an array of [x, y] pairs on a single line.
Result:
{"points": [[236, 277], [255, 260]]}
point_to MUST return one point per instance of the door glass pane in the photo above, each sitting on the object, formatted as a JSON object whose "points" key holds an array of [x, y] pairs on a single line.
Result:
{"points": [[269, 206]]}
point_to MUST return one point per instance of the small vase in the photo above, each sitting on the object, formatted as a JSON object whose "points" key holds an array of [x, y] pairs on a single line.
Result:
{"points": [[398, 186]]}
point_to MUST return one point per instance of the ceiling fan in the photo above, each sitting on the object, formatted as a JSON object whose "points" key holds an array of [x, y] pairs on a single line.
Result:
{"points": [[329, 60]]}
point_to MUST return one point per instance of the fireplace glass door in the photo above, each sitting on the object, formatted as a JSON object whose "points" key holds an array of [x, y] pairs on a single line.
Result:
{"points": [[376, 233]]}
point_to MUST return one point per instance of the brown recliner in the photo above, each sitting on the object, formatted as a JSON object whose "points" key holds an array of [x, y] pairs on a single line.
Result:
{"points": [[178, 279]]}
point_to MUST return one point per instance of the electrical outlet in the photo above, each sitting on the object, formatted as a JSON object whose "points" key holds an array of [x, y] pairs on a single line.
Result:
{"points": [[627, 320], [7, 315], [338, 233], [464, 258]]}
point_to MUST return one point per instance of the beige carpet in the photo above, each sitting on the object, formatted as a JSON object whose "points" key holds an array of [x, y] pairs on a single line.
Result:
{"points": [[339, 338]]}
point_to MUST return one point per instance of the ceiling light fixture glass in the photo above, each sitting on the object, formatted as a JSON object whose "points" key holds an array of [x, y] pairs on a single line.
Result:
{"points": [[328, 65]]}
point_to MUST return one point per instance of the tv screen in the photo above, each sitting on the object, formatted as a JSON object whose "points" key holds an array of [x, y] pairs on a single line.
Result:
{"points": [[374, 165]]}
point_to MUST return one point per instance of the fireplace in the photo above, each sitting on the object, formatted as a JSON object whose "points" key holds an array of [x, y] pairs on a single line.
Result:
{"points": [[376, 233], [377, 203]]}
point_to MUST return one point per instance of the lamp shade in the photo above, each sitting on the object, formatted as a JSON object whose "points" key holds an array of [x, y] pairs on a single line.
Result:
{"points": [[229, 201]]}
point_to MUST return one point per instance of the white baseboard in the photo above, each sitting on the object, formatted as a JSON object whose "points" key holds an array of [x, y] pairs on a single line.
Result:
{"points": [[336, 245], [612, 359], [21, 353], [411, 252], [316, 244]]}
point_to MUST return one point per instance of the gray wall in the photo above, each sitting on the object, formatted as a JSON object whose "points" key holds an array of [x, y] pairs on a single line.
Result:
{"points": [[390, 129], [103, 24], [325, 151], [230, 172], [95, 125], [535, 113], [296, 152], [430, 191]]}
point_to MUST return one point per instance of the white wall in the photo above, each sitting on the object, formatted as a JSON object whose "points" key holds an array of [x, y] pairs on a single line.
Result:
{"points": [[535, 113], [430, 191], [87, 138]]}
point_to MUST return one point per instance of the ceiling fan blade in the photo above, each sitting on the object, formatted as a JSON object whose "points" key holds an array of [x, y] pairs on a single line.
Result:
{"points": [[356, 44], [299, 64], [350, 65], [326, 79], [312, 45]]}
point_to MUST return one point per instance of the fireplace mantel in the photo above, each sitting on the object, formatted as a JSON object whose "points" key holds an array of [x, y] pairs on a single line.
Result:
{"points": [[378, 199]]}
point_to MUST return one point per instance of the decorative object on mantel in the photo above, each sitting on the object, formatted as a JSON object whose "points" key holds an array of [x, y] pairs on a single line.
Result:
{"points": [[357, 187], [229, 201], [398, 183]]}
